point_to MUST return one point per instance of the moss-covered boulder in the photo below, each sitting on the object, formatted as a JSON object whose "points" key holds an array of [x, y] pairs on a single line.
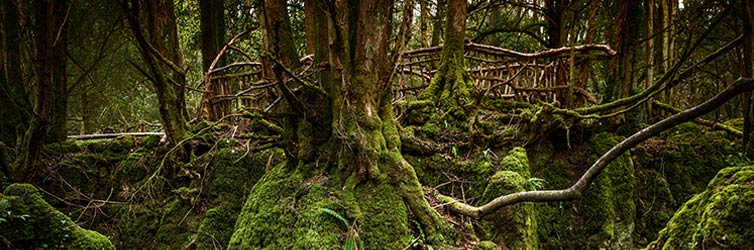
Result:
{"points": [[718, 218], [604, 217], [287, 211], [672, 168], [512, 227], [28, 222]]}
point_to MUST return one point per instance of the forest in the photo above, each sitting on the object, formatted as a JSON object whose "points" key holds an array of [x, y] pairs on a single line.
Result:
{"points": [[380, 124]]}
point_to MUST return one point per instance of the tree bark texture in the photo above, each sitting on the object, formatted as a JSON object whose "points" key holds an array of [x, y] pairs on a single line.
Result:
{"points": [[16, 105], [213, 40], [748, 45], [160, 53], [449, 87]]}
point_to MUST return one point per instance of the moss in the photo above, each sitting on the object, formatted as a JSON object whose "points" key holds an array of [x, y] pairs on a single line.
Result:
{"points": [[215, 230], [268, 219], [486, 245], [151, 141], [718, 218], [4, 163], [604, 216], [516, 161], [511, 227], [286, 211], [674, 167], [31, 223], [383, 218], [63, 147]]}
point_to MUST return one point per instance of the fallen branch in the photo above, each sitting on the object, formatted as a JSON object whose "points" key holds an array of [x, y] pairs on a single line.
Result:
{"points": [[113, 135], [739, 86]]}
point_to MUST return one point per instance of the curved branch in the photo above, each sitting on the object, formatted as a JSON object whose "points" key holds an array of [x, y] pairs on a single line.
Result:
{"points": [[739, 86]]}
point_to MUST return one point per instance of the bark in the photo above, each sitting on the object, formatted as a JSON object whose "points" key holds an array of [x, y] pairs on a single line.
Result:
{"points": [[449, 87], [30, 158], [437, 26], [748, 133], [575, 191], [424, 23], [554, 14], [213, 40], [625, 34], [58, 129], [164, 71], [16, 106]]}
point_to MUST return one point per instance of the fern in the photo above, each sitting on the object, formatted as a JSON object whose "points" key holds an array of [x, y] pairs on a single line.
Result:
{"points": [[336, 215]]}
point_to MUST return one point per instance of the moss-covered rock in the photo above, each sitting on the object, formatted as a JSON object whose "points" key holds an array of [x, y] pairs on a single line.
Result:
{"points": [[28, 222], [603, 218], [718, 218], [287, 211], [511, 227], [672, 168]]}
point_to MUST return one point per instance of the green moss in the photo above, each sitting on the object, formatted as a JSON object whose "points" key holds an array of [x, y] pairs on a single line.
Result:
{"points": [[151, 141], [285, 211], [516, 161], [486, 245], [511, 227], [382, 218], [31, 223], [64, 147], [674, 167], [718, 218]]}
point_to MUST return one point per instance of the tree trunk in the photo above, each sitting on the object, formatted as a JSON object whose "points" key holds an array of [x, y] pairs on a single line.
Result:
{"points": [[345, 133], [213, 40], [554, 16], [58, 129], [33, 142], [625, 33], [748, 30], [16, 106], [160, 53], [450, 86], [424, 23], [437, 27]]}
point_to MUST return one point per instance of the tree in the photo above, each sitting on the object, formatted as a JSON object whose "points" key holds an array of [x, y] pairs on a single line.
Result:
{"points": [[50, 54], [157, 41], [449, 87], [344, 127], [748, 45], [213, 40], [16, 107]]}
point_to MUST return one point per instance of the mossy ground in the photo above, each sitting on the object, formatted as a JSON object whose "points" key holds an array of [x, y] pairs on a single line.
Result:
{"points": [[28, 222], [718, 218], [139, 202]]}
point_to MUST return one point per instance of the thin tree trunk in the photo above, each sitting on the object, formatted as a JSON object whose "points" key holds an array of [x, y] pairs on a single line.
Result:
{"points": [[748, 30], [437, 27], [18, 105], [154, 51], [213, 40], [30, 159], [449, 87], [424, 23], [58, 129]]}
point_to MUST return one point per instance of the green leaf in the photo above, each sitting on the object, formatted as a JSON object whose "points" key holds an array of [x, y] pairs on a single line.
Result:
{"points": [[336, 215]]}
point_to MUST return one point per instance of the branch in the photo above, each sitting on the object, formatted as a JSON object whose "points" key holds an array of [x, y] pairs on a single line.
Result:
{"points": [[739, 86], [112, 135], [715, 125]]}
